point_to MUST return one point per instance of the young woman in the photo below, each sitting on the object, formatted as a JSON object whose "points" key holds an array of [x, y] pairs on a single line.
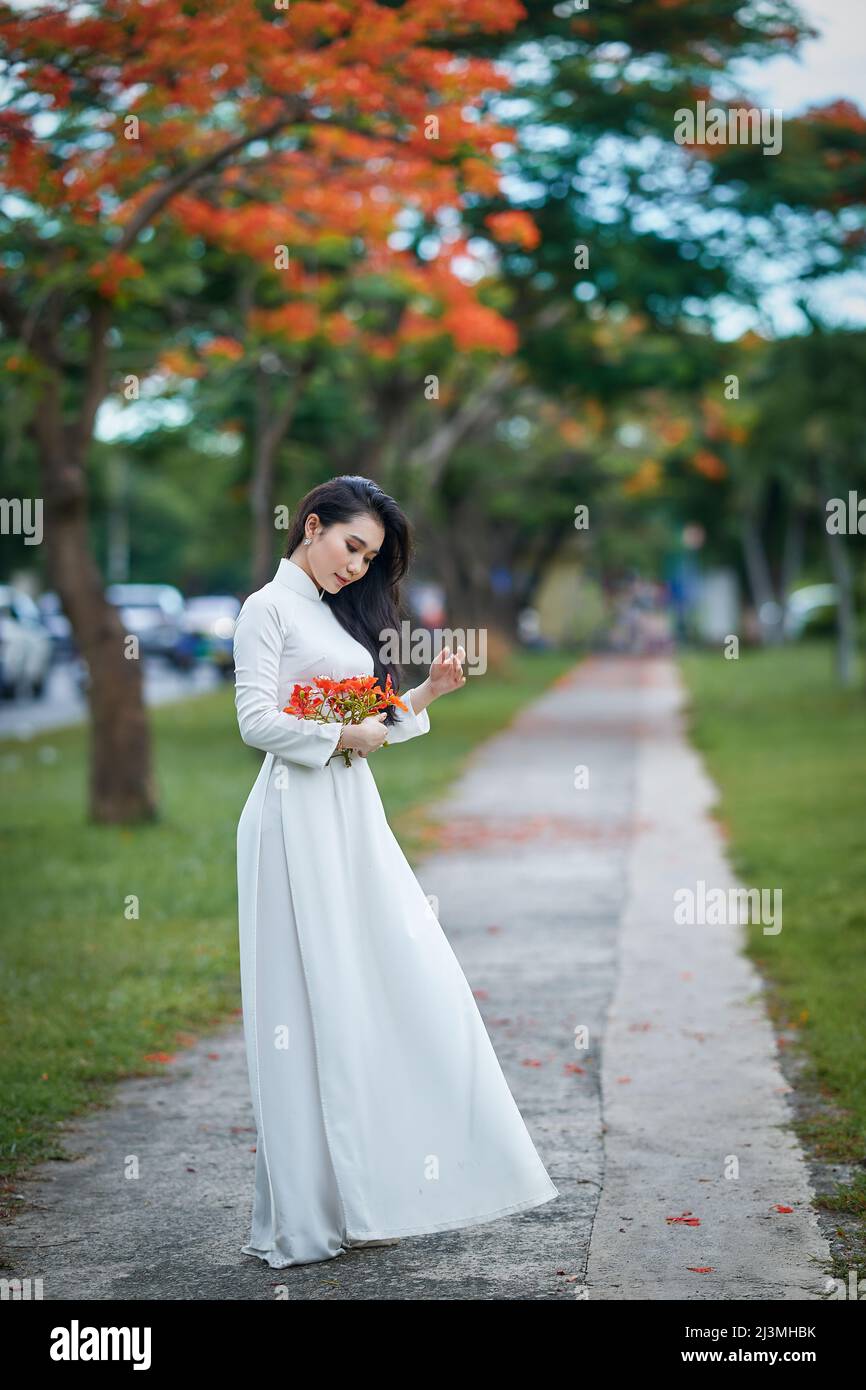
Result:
{"points": [[380, 1106]]}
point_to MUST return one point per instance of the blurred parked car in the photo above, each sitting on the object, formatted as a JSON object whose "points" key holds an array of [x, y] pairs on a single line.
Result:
{"points": [[154, 614], [26, 651], [210, 620], [812, 607]]}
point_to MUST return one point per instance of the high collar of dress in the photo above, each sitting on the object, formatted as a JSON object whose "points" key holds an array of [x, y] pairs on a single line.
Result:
{"points": [[293, 577]]}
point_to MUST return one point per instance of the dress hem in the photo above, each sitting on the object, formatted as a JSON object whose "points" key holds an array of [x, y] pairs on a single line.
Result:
{"points": [[447, 1225], [287, 1264], [460, 1222]]}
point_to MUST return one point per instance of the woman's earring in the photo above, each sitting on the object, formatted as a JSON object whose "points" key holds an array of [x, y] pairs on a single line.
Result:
{"points": [[308, 541]]}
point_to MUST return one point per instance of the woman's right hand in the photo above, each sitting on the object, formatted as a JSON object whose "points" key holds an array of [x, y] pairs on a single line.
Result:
{"points": [[367, 736]]}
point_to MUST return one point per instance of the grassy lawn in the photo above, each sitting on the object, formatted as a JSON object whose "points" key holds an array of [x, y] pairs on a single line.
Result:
{"points": [[96, 989], [787, 750]]}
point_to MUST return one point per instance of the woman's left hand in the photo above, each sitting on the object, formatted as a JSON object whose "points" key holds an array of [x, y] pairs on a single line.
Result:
{"points": [[446, 671]]}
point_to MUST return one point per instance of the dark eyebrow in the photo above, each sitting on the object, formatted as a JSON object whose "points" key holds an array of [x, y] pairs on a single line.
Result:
{"points": [[360, 540]]}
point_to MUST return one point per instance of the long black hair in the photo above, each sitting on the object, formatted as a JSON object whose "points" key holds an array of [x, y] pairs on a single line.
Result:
{"points": [[373, 607]]}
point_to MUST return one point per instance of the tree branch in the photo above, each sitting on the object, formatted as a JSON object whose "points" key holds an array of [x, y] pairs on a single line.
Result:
{"points": [[163, 195]]}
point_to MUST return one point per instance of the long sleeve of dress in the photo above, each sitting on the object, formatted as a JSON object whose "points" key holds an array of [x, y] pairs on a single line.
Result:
{"points": [[258, 645], [408, 724]]}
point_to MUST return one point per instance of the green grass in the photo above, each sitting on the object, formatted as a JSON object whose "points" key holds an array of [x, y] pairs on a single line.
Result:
{"points": [[91, 990], [787, 749]]}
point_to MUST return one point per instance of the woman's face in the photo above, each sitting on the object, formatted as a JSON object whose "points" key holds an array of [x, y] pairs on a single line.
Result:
{"points": [[343, 554]]}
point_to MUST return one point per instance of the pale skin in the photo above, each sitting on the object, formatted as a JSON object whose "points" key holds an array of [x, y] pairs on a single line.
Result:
{"points": [[345, 551]]}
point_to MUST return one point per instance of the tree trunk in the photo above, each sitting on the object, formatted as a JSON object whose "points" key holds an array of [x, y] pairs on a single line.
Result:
{"points": [[840, 568], [758, 573], [121, 783], [792, 557], [393, 408], [271, 426]]}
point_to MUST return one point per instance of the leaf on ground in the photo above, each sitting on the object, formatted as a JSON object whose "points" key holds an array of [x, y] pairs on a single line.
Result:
{"points": [[686, 1219]]}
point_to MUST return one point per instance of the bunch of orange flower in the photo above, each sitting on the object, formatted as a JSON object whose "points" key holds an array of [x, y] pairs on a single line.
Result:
{"points": [[346, 702]]}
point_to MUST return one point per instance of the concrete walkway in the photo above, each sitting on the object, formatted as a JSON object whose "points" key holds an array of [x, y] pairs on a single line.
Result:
{"points": [[558, 901]]}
